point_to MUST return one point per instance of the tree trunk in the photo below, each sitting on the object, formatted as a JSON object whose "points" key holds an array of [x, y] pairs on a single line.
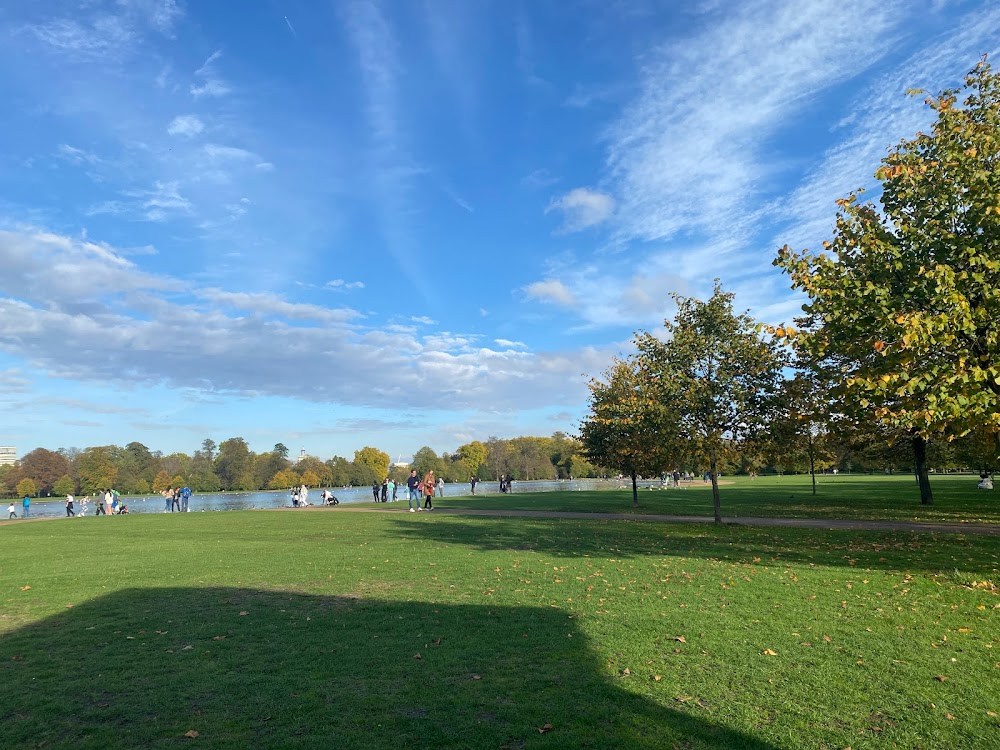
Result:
{"points": [[920, 456], [812, 461], [716, 501], [635, 491]]}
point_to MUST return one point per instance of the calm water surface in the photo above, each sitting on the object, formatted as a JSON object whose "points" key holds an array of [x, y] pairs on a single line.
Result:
{"points": [[55, 507]]}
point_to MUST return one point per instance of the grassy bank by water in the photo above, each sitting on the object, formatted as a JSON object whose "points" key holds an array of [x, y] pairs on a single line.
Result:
{"points": [[363, 630]]}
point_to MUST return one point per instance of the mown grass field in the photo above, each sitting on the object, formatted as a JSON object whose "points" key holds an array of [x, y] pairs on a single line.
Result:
{"points": [[331, 628], [877, 497]]}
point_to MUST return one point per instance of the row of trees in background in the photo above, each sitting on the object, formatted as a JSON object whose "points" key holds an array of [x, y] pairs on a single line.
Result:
{"points": [[898, 349], [231, 465]]}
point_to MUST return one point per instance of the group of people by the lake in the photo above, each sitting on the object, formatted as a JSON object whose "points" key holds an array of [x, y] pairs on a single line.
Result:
{"points": [[426, 487], [176, 499]]}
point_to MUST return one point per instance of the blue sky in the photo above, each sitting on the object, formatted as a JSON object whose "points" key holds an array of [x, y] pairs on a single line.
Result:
{"points": [[402, 223]]}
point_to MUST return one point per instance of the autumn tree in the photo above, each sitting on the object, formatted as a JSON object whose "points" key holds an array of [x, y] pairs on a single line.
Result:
{"points": [[717, 376], [473, 454], [425, 459], [625, 429], [27, 487], [97, 468], [43, 466], [65, 485], [904, 303], [375, 460], [234, 465]]}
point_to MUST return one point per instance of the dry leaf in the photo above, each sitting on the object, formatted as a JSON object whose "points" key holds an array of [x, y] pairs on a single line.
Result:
{"points": [[949, 717], [476, 677], [218, 637], [769, 652], [941, 678], [437, 642], [657, 677], [244, 613], [417, 656], [187, 648], [191, 734], [682, 698], [545, 729], [25, 588], [678, 638], [827, 638], [964, 630], [626, 672]]}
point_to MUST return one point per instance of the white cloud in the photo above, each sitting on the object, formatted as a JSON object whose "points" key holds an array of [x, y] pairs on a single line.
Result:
{"points": [[64, 301], [583, 208], [508, 344], [212, 88], [341, 285], [186, 126], [551, 290], [423, 320], [161, 202]]}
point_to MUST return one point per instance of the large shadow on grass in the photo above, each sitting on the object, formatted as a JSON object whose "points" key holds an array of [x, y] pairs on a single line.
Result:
{"points": [[597, 538], [264, 669]]}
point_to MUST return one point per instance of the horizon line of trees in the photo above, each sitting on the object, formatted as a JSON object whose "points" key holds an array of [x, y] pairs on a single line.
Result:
{"points": [[231, 465]]}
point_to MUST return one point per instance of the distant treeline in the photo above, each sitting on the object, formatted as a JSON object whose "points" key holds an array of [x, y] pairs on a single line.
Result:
{"points": [[231, 465]]}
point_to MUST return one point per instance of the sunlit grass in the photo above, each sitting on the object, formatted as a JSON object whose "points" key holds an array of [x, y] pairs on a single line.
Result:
{"points": [[339, 629]]}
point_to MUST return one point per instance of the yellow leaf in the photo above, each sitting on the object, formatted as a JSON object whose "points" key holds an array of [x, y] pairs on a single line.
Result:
{"points": [[770, 652], [545, 729], [191, 734]]}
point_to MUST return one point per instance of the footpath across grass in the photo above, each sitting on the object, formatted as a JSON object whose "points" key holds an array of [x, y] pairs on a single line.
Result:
{"points": [[881, 498], [360, 630]]}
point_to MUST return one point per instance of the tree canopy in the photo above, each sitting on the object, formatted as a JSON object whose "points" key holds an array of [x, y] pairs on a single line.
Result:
{"points": [[904, 301]]}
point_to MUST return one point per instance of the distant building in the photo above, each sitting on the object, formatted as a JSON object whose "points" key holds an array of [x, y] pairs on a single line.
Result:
{"points": [[8, 455], [302, 454]]}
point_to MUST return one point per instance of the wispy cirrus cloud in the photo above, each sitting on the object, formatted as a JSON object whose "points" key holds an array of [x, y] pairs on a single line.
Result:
{"points": [[211, 84]]}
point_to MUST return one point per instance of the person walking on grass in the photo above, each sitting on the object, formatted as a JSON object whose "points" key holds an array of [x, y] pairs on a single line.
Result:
{"points": [[413, 490], [429, 484], [69, 507], [26, 507]]}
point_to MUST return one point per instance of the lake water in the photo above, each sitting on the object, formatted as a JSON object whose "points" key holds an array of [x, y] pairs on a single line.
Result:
{"points": [[56, 507]]}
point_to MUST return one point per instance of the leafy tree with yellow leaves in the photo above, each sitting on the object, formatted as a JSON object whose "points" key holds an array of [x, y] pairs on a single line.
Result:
{"points": [[625, 430], [905, 301]]}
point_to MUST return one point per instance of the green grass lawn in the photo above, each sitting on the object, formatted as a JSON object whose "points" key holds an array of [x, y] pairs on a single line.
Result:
{"points": [[359, 630], [880, 497]]}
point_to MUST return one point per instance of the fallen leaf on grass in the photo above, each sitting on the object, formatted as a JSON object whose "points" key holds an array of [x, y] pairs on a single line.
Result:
{"points": [[657, 677], [769, 652], [545, 729], [244, 613], [626, 672], [476, 677], [25, 588], [949, 717], [191, 734], [218, 637], [417, 656], [682, 698], [187, 648], [941, 678], [827, 638], [678, 638]]}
